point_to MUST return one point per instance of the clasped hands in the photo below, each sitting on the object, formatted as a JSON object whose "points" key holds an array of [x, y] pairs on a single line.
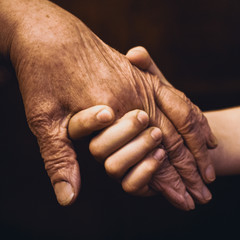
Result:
{"points": [[67, 75], [133, 151]]}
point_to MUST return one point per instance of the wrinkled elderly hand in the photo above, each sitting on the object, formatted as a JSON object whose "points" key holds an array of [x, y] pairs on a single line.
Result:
{"points": [[141, 58], [62, 67], [139, 164]]}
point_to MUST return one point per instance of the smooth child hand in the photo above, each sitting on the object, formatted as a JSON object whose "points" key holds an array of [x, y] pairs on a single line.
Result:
{"points": [[130, 152]]}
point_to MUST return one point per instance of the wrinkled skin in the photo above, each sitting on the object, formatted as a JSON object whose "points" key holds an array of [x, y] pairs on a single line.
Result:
{"points": [[165, 174], [62, 68], [141, 58]]}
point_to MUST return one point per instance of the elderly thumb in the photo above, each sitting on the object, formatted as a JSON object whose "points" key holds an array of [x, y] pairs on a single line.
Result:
{"points": [[59, 158]]}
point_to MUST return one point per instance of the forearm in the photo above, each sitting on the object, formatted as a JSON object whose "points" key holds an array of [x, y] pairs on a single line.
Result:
{"points": [[33, 29], [12, 14], [9, 18], [30, 19], [225, 126]]}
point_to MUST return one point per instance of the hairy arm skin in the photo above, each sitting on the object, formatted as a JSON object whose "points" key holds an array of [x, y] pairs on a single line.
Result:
{"points": [[62, 67]]}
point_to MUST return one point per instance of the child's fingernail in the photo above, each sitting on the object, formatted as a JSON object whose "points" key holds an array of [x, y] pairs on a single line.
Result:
{"points": [[104, 116], [142, 117], [159, 154], [156, 134]]}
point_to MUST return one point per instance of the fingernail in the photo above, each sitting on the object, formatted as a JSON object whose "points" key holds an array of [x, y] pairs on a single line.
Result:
{"points": [[104, 116], [210, 173], [64, 192], [142, 117], [156, 134], [190, 201], [159, 154], [213, 140], [206, 194]]}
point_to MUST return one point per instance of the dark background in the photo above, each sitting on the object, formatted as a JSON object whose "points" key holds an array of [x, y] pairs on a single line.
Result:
{"points": [[196, 45]]}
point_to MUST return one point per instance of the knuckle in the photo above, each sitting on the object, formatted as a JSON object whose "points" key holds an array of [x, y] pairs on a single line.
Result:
{"points": [[39, 124], [197, 110], [59, 165], [111, 169], [189, 174], [192, 118], [95, 150], [189, 121], [192, 179], [78, 120], [200, 153], [175, 148], [204, 122], [177, 184], [198, 114], [151, 166], [129, 188], [58, 155], [186, 166], [141, 48], [44, 118], [183, 96]]}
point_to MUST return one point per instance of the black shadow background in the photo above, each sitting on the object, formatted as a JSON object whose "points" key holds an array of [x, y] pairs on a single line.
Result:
{"points": [[196, 45]]}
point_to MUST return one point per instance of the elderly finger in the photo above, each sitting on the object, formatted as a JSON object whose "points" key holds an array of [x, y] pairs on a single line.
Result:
{"points": [[210, 138], [181, 158], [140, 57], [199, 139], [201, 154], [184, 162], [89, 120], [187, 120], [167, 181]]}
